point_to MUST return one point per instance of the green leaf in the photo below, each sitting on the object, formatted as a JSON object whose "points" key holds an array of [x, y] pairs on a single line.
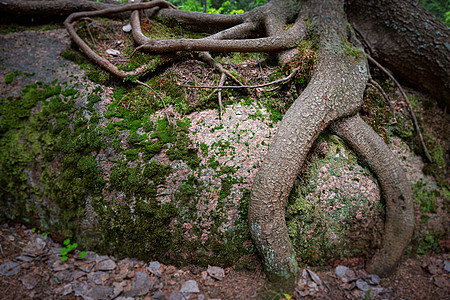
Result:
{"points": [[64, 258], [66, 242], [83, 254]]}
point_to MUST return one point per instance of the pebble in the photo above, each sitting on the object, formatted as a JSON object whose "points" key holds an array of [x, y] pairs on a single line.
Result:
{"points": [[25, 258], [362, 285], [315, 277], [9, 268], [447, 266], [29, 281], [80, 288], [216, 272], [100, 292], [190, 286], [106, 265], [341, 271], [140, 286], [153, 267], [158, 296], [127, 28], [373, 279], [177, 295]]}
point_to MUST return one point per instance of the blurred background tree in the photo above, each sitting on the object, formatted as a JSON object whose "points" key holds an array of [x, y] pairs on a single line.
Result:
{"points": [[439, 8]]}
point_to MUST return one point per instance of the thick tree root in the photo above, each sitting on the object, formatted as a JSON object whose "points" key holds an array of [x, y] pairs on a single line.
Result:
{"points": [[335, 90], [396, 190], [68, 23]]}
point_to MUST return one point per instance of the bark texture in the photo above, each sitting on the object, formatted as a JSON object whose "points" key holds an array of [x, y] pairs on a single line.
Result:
{"points": [[396, 191], [13, 10], [408, 40], [335, 90]]}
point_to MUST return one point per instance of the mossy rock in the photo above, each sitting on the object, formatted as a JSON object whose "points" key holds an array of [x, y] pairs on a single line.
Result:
{"points": [[116, 172]]}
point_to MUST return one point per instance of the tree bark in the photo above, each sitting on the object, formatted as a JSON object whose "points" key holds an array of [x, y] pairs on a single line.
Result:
{"points": [[335, 90], [396, 191], [408, 40], [392, 30]]}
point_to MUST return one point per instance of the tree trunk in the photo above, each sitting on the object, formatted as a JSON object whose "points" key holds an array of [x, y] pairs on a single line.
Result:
{"points": [[335, 90], [408, 40], [399, 34]]}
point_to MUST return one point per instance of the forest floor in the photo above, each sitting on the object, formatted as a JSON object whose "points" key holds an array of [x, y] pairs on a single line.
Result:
{"points": [[31, 268], [31, 265]]}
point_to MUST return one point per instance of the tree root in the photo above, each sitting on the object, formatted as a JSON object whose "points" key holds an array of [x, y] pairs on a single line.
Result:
{"points": [[396, 190], [411, 110], [105, 12], [373, 84], [287, 78], [334, 92]]}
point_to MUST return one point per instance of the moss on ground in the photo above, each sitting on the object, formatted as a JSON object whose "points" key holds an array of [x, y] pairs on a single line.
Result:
{"points": [[323, 223]]}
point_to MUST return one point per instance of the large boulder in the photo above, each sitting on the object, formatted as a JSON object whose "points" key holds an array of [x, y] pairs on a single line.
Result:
{"points": [[119, 174]]}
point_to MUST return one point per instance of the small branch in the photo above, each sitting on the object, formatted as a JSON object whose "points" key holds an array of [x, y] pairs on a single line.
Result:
{"points": [[222, 81], [88, 30], [260, 68], [160, 97], [294, 71], [373, 84], [411, 110]]}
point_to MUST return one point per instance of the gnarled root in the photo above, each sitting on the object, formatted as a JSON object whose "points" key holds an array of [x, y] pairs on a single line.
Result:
{"points": [[335, 90], [396, 190]]}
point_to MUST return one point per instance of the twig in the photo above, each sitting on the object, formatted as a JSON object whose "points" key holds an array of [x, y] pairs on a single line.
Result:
{"points": [[372, 83], [218, 66], [222, 81], [160, 97], [411, 110], [294, 71], [260, 68], [89, 31], [1, 250]]}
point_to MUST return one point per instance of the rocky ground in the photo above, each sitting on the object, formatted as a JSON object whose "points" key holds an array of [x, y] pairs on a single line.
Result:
{"points": [[32, 267]]}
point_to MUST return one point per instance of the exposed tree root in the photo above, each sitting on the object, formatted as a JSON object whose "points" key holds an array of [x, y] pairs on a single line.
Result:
{"points": [[334, 92], [68, 23], [396, 190], [411, 110], [372, 83]]}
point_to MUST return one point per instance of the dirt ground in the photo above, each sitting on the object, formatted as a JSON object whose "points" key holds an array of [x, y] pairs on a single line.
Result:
{"points": [[31, 268]]}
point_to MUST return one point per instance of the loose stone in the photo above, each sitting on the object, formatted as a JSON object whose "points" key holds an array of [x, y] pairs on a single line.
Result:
{"points": [[9, 268]]}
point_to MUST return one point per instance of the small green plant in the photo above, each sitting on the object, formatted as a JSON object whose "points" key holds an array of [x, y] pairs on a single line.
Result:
{"points": [[44, 234], [68, 248]]}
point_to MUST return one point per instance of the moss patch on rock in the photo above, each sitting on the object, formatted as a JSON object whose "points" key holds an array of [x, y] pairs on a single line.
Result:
{"points": [[334, 210]]}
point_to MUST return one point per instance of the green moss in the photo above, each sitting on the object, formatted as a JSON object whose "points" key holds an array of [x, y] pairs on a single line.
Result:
{"points": [[350, 51], [48, 141], [322, 228], [10, 76]]}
